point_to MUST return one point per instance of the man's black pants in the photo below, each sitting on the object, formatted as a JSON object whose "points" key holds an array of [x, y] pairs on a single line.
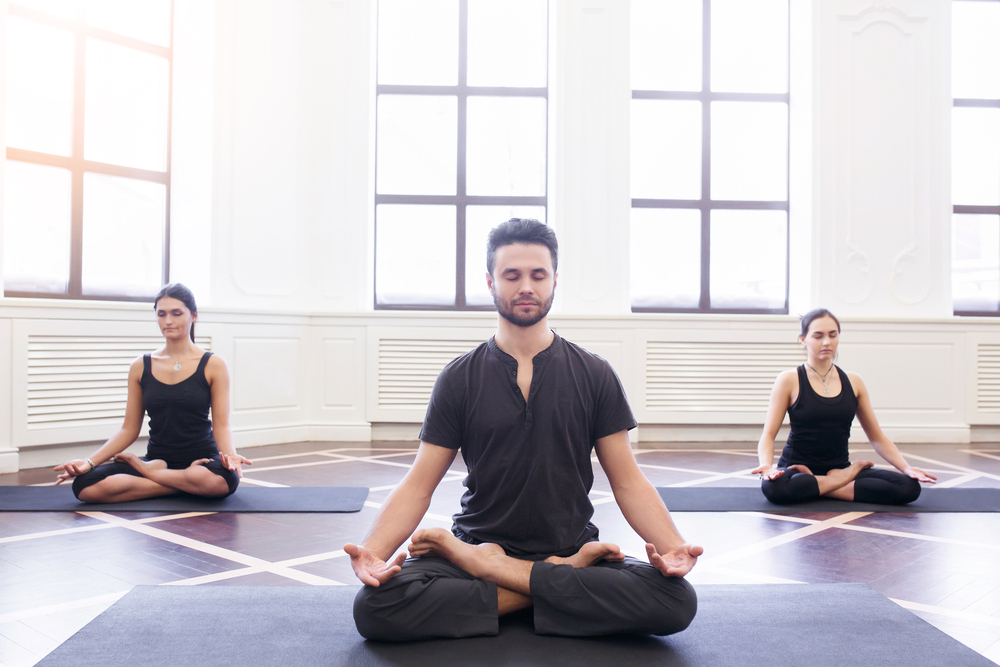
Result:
{"points": [[430, 597]]}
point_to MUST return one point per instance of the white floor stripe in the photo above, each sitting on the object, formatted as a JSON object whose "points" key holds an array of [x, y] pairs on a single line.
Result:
{"points": [[779, 517], [926, 538], [653, 466], [955, 481], [714, 478], [260, 482], [981, 453], [779, 540], [108, 599], [760, 578], [953, 613], [950, 465], [220, 552]]}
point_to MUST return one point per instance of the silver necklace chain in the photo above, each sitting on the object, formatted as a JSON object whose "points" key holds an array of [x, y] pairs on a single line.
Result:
{"points": [[826, 389]]}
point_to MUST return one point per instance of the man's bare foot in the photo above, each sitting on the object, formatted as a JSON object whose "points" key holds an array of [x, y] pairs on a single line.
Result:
{"points": [[144, 467], [440, 542], [590, 553]]}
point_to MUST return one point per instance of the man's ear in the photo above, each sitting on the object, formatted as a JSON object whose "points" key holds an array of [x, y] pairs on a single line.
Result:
{"points": [[489, 283]]}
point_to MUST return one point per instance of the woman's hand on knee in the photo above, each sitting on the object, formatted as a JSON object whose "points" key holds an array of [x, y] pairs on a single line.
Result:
{"points": [[68, 471], [920, 475], [235, 462], [768, 472]]}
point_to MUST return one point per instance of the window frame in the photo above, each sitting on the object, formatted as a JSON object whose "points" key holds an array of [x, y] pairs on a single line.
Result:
{"points": [[76, 164], [705, 204], [982, 103], [462, 91]]}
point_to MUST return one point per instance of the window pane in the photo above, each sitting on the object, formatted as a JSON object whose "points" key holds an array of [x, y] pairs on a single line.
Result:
{"points": [[975, 156], [665, 258], [505, 152], [750, 46], [148, 20], [36, 228], [749, 151], [123, 235], [975, 264], [66, 9], [507, 43], [39, 96], [748, 259], [418, 42], [126, 111], [666, 45], [479, 220], [975, 49], [417, 144], [666, 149], [415, 254]]}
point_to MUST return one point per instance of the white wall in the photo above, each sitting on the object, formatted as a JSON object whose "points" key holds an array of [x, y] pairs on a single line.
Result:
{"points": [[273, 226]]}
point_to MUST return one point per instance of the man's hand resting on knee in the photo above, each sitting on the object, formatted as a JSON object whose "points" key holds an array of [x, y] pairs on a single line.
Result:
{"points": [[369, 568], [674, 563]]}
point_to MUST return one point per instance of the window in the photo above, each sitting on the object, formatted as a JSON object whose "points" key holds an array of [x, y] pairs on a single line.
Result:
{"points": [[975, 157], [87, 176], [461, 142], [709, 156]]}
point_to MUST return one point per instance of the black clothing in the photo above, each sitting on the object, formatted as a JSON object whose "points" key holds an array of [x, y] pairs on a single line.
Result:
{"points": [[529, 477], [430, 597], [180, 431], [179, 426], [529, 462], [820, 426], [818, 440]]}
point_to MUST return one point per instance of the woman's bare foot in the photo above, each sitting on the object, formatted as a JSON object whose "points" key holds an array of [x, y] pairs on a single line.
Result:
{"points": [[144, 467], [850, 472], [590, 553], [440, 542]]}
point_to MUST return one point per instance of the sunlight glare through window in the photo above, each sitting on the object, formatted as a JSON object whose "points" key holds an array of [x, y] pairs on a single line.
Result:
{"points": [[975, 264], [415, 256], [665, 258], [507, 43], [750, 46], [975, 147], [666, 149], [748, 259], [417, 142], [36, 227], [666, 44], [975, 50], [39, 87], [123, 220], [505, 146], [749, 150], [418, 42]]}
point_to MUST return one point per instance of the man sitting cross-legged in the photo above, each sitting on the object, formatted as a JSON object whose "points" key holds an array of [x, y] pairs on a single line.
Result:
{"points": [[526, 408]]}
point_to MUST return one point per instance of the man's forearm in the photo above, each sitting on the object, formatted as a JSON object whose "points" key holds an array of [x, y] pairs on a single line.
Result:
{"points": [[397, 519], [644, 510]]}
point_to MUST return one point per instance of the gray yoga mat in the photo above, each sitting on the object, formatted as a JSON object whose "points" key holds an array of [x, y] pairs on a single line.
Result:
{"points": [[253, 499], [780, 625], [750, 499]]}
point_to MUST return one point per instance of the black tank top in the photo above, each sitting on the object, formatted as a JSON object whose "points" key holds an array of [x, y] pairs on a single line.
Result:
{"points": [[820, 427], [179, 427]]}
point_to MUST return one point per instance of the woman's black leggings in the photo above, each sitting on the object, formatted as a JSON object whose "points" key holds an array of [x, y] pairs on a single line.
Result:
{"points": [[885, 487]]}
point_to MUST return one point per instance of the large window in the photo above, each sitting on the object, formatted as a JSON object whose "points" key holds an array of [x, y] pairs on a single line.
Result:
{"points": [[975, 157], [87, 176], [709, 156], [461, 137]]}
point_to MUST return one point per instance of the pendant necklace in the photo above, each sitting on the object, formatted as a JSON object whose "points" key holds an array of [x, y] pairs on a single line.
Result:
{"points": [[177, 366], [826, 390]]}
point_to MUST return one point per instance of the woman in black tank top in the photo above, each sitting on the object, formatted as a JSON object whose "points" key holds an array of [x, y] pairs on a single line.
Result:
{"points": [[821, 401], [177, 386]]}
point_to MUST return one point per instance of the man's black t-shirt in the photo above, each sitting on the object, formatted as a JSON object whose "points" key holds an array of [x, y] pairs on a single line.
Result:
{"points": [[529, 463]]}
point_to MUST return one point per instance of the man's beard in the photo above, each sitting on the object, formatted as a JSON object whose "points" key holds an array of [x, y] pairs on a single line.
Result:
{"points": [[508, 311]]}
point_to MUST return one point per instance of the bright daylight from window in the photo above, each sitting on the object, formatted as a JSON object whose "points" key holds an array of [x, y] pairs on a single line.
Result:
{"points": [[87, 135]]}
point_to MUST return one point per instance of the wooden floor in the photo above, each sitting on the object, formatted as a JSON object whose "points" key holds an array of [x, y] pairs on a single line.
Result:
{"points": [[59, 570]]}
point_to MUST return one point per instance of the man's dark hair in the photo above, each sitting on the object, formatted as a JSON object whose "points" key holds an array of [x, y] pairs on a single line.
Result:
{"points": [[180, 292], [521, 230]]}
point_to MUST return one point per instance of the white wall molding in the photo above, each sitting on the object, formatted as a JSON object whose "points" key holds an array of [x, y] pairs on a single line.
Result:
{"points": [[690, 378]]}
